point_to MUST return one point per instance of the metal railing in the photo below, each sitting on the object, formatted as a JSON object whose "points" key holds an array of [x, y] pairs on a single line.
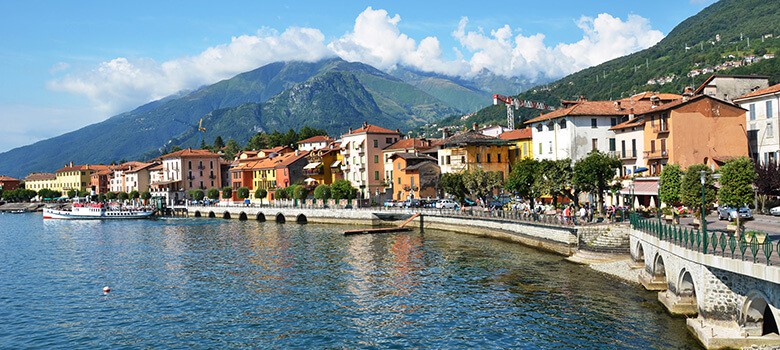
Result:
{"points": [[712, 242]]}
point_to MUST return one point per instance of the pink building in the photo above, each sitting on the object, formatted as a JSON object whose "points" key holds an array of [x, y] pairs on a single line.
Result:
{"points": [[363, 163]]}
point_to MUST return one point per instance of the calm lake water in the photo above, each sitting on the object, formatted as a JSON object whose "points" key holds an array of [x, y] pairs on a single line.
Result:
{"points": [[213, 283]]}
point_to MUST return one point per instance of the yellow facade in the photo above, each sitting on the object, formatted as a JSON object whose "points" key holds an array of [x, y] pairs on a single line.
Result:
{"points": [[520, 149], [472, 157], [264, 178], [77, 178]]}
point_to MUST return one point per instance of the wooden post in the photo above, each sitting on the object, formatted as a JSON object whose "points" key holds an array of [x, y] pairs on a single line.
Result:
{"points": [[422, 229]]}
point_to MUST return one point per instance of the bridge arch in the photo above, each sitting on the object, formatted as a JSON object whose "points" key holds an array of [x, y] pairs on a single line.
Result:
{"points": [[242, 216], [212, 215], [301, 219], [226, 215], [659, 269], [280, 218], [757, 317], [640, 253], [197, 214], [260, 217], [686, 288]]}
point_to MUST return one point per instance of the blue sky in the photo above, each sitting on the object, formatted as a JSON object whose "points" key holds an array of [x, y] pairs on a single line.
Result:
{"points": [[69, 64]]}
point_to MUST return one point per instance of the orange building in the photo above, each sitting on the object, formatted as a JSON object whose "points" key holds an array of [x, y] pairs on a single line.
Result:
{"points": [[695, 130], [241, 175], [101, 180], [414, 176], [319, 170]]}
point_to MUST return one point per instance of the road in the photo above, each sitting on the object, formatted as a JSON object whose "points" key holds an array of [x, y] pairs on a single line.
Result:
{"points": [[763, 223]]}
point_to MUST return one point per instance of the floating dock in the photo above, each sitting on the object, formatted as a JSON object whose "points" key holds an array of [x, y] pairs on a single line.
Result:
{"points": [[400, 228]]}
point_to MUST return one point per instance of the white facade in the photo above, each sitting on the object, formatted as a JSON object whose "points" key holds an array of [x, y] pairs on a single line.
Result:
{"points": [[763, 126], [630, 149], [493, 130], [573, 137], [311, 146], [363, 162]]}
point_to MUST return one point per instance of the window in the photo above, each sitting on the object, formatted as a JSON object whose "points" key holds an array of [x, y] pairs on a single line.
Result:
{"points": [[488, 158], [399, 180], [612, 146], [462, 159], [525, 149], [562, 124], [623, 148], [633, 148], [376, 175], [399, 165], [499, 157], [770, 130], [594, 123], [388, 140], [550, 147], [652, 146], [189, 164], [663, 146], [376, 143], [211, 164], [612, 121], [539, 127], [376, 159], [594, 144], [769, 109], [540, 148], [752, 111], [448, 160], [442, 160], [478, 157]]}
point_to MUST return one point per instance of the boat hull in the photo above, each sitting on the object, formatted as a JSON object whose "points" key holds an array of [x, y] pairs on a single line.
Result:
{"points": [[97, 215]]}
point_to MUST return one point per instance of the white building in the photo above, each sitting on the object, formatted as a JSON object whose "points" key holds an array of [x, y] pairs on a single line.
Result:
{"points": [[630, 140], [314, 143], [580, 128], [762, 123], [363, 162]]}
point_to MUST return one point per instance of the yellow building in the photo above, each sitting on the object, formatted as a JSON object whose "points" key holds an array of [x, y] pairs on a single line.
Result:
{"points": [[39, 181], [264, 176], [73, 177], [521, 144], [471, 150]]}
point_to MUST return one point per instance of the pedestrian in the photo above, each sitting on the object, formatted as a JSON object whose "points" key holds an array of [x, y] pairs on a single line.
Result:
{"points": [[583, 213]]}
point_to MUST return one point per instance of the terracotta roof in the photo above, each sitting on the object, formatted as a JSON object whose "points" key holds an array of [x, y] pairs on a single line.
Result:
{"points": [[40, 176], [596, 108], [765, 91], [318, 138], [103, 172], [70, 168], [7, 178], [517, 134], [410, 143], [156, 167], [372, 129], [648, 94], [129, 165], [289, 158], [680, 102], [470, 137], [629, 124], [409, 155], [189, 152], [140, 167]]}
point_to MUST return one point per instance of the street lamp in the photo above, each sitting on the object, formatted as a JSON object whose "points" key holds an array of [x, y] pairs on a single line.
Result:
{"points": [[658, 204], [631, 192], [703, 178]]}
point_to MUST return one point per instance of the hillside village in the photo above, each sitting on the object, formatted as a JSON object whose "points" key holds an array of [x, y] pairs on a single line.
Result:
{"points": [[725, 118]]}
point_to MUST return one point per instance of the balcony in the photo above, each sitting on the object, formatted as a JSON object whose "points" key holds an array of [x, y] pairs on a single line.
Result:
{"points": [[656, 155], [212, 176], [629, 154], [313, 171], [660, 129], [190, 177]]}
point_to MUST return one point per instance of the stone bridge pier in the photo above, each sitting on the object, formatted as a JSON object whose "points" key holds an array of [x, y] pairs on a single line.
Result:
{"points": [[730, 303]]}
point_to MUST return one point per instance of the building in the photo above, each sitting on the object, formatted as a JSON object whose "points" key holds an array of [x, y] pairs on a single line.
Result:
{"points": [[493, 130], [185, 170], [763, 123], [728, 87], [8, 183], [314, 143], [582, 127], [138, 178], [39, 181], [362, 152], [264, 177], [100, 181], [410, 145], [73, 177], [414, 176], [242, 175], [289, 168], [471, 150], [630, 139], [320, 169], [520, 144], [695, 130], [117, 183]]}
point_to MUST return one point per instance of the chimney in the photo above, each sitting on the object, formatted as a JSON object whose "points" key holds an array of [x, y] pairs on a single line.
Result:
{"points": [[688, 93], [297, 152], [365, 124], [617, 105], [655, 100], [445, 133], [474, 126], [350, 130]]}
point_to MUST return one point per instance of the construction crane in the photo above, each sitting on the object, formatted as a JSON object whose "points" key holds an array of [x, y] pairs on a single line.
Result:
{"points": [[202, 130], [514, 103]]}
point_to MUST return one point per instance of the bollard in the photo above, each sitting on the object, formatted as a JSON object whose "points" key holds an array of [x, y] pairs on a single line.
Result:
{"points": [[422, 229]]}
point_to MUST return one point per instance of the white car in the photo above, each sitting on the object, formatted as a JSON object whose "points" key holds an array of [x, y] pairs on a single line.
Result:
{"points": [[775, 211], [446, 204]]}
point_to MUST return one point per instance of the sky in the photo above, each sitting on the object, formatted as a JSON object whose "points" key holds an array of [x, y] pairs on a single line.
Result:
{"points": [[65, 65]]}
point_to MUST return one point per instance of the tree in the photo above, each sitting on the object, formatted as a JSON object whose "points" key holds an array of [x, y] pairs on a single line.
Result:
{"points": [[102, 197], [281, 193], [218, 143], [83, 193], [555, 179], [322, 192], [111, 195], [145, 195], [595, 174], [135, 194], [231, 148], [690, 190], [452, 183], [122, 196], [260, 194], [227, 192], [197, 194], [342, 189], [481, 183], [242, 193], [300, 192], [671, 181], [175, 148], [259, 141], [213, 194], [72, 193], [736, 183], [767, 181], [521, 178]]}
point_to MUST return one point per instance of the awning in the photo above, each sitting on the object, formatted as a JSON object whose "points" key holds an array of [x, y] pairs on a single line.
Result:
{"points": [[308, 180], [312, 165], [642, 188], [336, 164]]}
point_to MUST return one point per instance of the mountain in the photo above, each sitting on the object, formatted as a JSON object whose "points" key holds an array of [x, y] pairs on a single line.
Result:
{"points": [[332, 94], [740, 28]]}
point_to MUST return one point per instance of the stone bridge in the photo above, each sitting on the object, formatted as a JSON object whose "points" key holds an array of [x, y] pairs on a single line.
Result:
{"points": [[731, 299]]}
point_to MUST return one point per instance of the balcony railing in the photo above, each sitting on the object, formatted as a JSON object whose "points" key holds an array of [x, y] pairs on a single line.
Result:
{"points": [[658, 129], [656, 155], [314, 171], [627, 155]]}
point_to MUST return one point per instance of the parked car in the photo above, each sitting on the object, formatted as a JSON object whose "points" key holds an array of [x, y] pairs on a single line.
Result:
{"points": [[389, 203], [446, 204], [730, 213], [775, 211]]}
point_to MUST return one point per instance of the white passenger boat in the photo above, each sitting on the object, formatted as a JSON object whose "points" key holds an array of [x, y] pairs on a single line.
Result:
{"points": [[85, 211]]}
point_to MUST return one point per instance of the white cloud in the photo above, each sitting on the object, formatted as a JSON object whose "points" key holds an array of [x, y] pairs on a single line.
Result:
{"points": [[121, 83]]}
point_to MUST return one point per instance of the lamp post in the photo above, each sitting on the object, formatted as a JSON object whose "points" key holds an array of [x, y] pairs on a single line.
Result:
{"points": [[631, 192], [703, 178], [658, 204]]}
